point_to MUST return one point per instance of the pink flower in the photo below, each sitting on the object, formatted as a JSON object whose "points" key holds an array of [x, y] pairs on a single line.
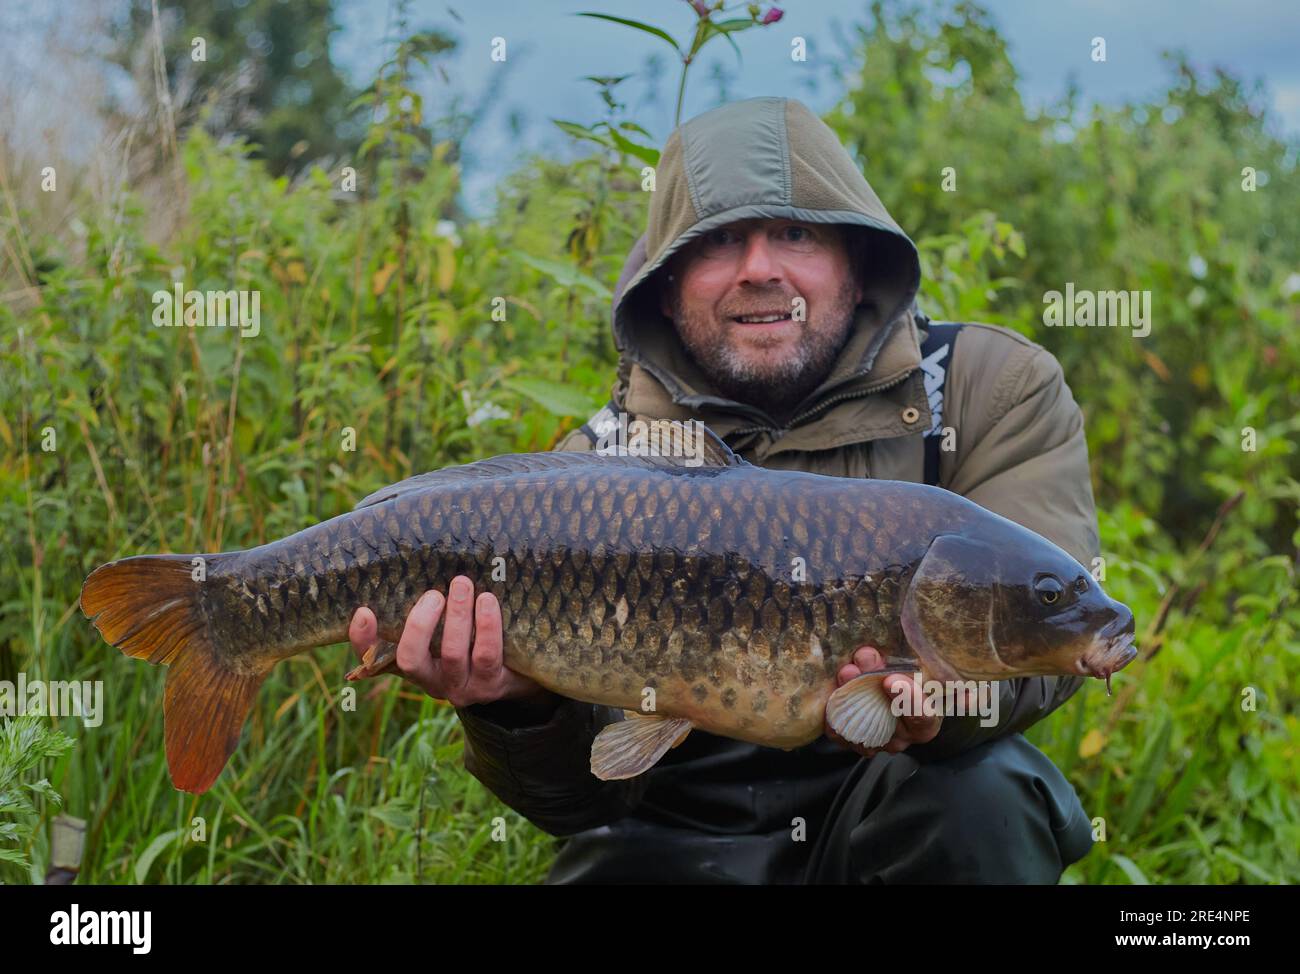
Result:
{"points": [[701, 7], [772, 16]]}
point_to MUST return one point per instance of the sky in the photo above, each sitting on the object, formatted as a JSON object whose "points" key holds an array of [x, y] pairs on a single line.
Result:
{"points": [[549, 49]]}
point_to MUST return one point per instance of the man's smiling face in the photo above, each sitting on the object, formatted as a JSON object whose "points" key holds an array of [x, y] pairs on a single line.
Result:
{"points": [[735, 301]]}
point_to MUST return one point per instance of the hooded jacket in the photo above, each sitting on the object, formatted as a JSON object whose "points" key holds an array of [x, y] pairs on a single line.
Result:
{"points": [[715, 808]]}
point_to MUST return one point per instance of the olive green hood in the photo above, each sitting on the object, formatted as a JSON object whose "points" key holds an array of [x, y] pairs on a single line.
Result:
{"points": [[767, 158]]}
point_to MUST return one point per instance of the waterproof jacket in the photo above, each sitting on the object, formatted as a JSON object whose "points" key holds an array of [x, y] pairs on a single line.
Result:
{"points": [[716, 808]]}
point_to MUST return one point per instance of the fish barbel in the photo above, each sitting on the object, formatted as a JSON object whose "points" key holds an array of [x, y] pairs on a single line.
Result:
{"points": [[732, 593]]}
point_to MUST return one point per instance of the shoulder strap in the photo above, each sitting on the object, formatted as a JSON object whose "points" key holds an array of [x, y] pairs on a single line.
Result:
{"points": [[604, 420], [936, 356]]}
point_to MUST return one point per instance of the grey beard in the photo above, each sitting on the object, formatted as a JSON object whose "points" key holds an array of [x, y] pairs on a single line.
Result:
{"points": [[777, 390]]}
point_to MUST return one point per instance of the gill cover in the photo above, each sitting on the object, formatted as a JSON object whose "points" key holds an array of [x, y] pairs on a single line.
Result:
{"points": [[948, 612]]}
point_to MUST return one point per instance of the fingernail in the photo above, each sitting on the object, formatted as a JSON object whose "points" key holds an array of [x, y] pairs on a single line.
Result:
{"points": [[460, 588]]}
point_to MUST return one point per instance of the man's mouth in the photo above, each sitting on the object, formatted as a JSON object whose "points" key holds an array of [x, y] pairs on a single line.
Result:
{"points": [[762, 318]]}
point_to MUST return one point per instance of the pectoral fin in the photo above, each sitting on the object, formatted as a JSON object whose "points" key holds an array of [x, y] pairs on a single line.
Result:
{"points": [[860, 711], [631, 746]]}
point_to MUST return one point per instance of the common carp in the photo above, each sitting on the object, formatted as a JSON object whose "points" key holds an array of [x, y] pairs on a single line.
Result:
{"points": [[732, 592]]}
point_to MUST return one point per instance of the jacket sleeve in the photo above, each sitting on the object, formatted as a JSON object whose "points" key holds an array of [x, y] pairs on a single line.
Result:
{"points": [[1021, 452], [541, 766], [536, 758]]}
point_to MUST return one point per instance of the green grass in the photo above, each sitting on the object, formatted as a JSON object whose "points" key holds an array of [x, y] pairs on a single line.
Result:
{"points": [[314, 794]]}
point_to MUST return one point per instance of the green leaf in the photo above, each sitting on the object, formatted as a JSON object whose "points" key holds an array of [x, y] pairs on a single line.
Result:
{"points": [[1255, 870], [1144, 784], [606, 80], [152, 851], [580, 132], [633, 127], [395, 816], [725, 29], [1131, 870], [735, 25], [554, 397], [563, 273], [648, 28], [46, 790], [645, 153]]}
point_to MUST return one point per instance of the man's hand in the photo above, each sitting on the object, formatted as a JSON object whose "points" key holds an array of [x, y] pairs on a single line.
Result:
{"points": [[458, 674], [911, 730]]}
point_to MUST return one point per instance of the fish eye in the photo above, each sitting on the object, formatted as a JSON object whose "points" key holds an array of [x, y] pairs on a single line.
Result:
{"points": [[1049, 589]]}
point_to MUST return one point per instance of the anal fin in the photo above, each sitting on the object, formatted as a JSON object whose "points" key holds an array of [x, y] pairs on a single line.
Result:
{"points": [[204, 707], [379, 658], [627, 748]]}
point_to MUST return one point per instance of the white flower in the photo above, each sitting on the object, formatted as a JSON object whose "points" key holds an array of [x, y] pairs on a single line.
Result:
{"points": [[447, 228], [484, 413]]}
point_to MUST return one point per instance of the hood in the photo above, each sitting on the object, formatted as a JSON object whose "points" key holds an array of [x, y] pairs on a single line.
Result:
{"points": [[762, 158]]}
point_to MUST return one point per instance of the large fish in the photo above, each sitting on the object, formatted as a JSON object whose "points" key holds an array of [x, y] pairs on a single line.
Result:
{"points": [[732, 592]]}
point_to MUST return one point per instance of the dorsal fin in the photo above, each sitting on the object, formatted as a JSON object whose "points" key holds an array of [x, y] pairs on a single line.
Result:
{"points": [[669, 446], [687, 443]]}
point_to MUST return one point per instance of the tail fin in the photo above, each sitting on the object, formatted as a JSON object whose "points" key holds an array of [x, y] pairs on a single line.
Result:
{"points": [[148, 607]]}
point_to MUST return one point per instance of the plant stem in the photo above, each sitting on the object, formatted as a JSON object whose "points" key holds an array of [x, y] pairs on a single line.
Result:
{"points": [[681, 91]]}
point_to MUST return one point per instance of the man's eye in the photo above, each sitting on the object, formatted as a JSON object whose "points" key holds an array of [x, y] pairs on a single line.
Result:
{"points": [[798, 234]]}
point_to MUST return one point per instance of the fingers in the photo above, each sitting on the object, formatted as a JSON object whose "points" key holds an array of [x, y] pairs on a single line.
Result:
{"points": [[363, 631], [486, 663], [868, 658], [413, 656], [865, 659], [377, 656], [916, 725], [457, 631], [470, 665]]}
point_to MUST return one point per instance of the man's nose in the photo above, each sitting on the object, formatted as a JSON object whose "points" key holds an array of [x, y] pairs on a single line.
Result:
{"points": [[758, 264]]}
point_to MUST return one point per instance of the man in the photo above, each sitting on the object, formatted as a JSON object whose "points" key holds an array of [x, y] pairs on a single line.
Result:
{"points": [[772, 298]]}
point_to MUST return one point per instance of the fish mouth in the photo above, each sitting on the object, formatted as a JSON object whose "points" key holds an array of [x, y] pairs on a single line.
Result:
{"points": [[1107, 656]]}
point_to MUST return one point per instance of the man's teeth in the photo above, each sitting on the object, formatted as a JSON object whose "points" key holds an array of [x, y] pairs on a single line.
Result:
{"points": [[761, 319]]}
